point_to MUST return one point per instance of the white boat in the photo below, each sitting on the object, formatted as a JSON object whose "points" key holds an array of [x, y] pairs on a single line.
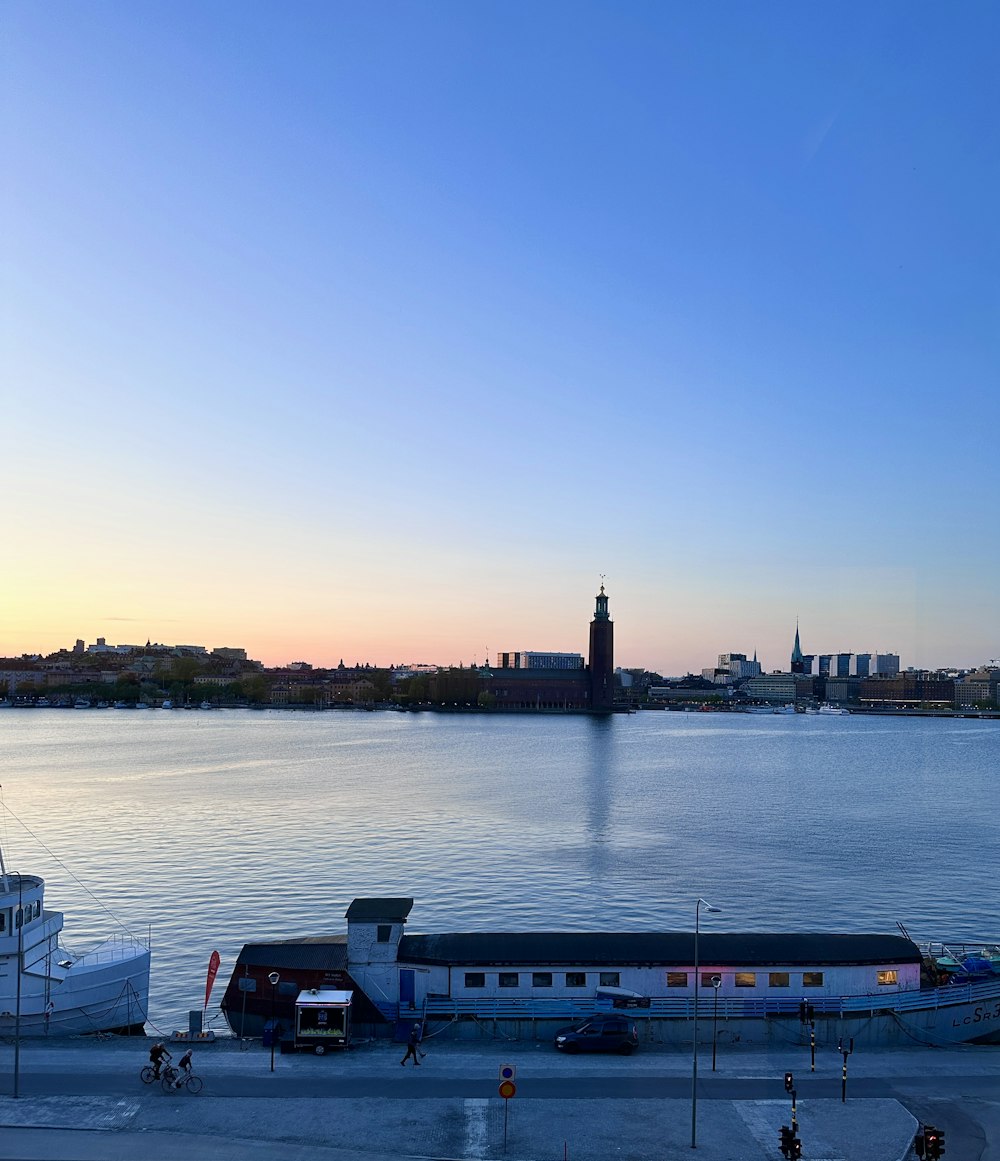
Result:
{"points": [[46, 990], [167, 704], [839, 711]]}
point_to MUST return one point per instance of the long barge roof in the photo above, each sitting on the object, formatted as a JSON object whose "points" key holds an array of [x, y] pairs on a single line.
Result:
{"points": [[579, 948]]}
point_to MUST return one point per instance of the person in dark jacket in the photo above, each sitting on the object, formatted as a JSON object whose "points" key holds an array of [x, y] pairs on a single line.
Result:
{"points": [[412, 1043]]}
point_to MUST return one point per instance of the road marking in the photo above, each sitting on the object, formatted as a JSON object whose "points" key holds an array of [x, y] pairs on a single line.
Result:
{"points": [[476, 1131]]}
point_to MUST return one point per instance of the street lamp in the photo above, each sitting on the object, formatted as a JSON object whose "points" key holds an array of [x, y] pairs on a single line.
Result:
{"points": [[694, 1045], [716, 984], [273, 978]]}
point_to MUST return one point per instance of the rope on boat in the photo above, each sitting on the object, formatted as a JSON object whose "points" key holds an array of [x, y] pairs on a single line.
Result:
{"points": [[52, 855]]}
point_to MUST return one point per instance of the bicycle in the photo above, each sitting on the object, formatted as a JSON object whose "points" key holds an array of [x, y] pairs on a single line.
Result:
{"points": [[168, 1079], [172, 1081]]}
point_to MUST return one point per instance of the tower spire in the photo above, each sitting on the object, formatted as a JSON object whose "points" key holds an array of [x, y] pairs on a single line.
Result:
{"points": [[798, 661]]}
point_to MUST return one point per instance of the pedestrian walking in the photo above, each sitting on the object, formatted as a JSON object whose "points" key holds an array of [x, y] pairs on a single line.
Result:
{"points": [[412, 1046]]}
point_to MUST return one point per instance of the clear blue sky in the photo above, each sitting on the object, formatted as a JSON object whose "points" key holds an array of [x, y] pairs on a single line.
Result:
{"points": [[381, 330]]}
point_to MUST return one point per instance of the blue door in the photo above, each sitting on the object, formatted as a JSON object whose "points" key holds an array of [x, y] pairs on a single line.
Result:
{"points": [[406, 988]]}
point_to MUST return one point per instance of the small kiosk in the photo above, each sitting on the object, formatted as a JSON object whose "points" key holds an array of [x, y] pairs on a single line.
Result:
{"points": [[322, 1020]]}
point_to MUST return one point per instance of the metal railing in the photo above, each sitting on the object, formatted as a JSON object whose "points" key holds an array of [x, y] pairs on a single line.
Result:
{"points": [[682, 1008]]}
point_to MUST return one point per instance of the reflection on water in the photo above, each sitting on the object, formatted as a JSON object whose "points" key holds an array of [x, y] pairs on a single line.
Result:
{"points": [[217, 828]]}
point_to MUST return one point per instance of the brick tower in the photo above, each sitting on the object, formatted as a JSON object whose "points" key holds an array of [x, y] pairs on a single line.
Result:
{"points": [[602, 656]]}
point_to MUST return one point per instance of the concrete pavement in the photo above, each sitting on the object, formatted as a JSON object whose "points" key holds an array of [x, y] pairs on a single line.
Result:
{"points": [[83, 1099]]}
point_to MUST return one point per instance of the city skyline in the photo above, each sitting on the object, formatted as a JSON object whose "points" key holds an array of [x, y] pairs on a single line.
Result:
{"points": [[384, 331]]}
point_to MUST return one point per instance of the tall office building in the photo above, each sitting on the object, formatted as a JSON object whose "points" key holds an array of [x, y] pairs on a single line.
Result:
{"points": [[886, 664]]}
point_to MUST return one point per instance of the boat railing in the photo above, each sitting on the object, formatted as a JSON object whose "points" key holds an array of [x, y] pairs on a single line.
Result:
{"points": [[115, 947], [662, 1007]]}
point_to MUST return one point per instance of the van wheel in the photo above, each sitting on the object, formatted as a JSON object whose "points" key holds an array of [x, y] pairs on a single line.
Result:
{"points": [[319, 1049]]}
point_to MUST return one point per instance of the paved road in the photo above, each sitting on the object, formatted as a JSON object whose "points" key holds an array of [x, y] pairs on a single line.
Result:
{"points": [[83, 1099]]}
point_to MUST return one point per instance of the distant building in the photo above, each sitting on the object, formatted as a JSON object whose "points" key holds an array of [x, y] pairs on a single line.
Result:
{"points": [[886, 665], [798, 658], [737, 665], [565, 686], [532, 660], [862, 664], [229, 654], [843, 665]]}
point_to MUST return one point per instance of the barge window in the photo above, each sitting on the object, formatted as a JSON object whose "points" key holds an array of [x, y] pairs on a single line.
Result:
{"points": [[576, 979], [288, 988], [383, 933], [777, 980], [475, 979], [746, 979], [509, 980], [677, 979], [610, 980], [706, 979], [888, 977], [812, 979], [3, 920], [541, 979]]}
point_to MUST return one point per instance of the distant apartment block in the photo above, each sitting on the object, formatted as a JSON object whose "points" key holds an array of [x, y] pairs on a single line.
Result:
{"points": [[528, 659], [737, 665]]}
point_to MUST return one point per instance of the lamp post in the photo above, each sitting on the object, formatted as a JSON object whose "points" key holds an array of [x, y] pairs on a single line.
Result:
{"points": [[694, 1039], [273, 978], [716, 984]]}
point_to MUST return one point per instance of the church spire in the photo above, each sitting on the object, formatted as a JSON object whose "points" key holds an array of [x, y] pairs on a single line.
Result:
{"points": [[798, 660]]}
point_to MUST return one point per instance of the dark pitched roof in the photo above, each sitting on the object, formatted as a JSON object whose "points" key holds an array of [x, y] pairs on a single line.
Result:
{"points": [[319, 952], [581, 949], [379, 910]]}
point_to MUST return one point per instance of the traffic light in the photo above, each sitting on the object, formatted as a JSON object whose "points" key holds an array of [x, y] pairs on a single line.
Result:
{"points": [[806, 1013], [785, 1142], [918, 1144], [933, 1143], [796, 1148], [789, 1082]]}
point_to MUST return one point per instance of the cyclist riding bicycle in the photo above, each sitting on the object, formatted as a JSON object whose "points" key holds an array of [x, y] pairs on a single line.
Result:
{"points": [[184, 1064], [158, 1055]]}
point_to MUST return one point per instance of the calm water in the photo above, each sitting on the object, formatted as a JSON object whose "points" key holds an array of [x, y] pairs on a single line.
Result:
{"points": [[216, 828]]}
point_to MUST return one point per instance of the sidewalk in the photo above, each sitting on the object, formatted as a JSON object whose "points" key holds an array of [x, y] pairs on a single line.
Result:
{"points": [[83, 1100]]}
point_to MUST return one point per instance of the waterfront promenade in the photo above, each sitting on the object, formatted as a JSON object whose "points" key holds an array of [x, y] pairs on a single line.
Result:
{"points": [[83, 1099]]}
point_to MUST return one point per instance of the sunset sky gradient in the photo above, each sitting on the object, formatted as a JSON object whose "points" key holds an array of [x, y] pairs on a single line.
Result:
{"points": [[382, 330]]}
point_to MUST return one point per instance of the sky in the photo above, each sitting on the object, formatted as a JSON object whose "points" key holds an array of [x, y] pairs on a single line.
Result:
{"points": [[383, 331]]}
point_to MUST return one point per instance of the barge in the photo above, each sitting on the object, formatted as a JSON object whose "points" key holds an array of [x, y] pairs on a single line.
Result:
{"points": [[757, 987]]}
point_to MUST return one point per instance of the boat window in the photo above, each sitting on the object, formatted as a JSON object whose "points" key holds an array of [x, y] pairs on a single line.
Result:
{"points": [[475, 979], [38, 908], [677, 979], [812, 979], [706, 979], [384, 933], [541, 979], [18, 917], [777, 980], [888, 977], [3, 920], [610, 980], [509, 979], [746, 979], [576, 979]]}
